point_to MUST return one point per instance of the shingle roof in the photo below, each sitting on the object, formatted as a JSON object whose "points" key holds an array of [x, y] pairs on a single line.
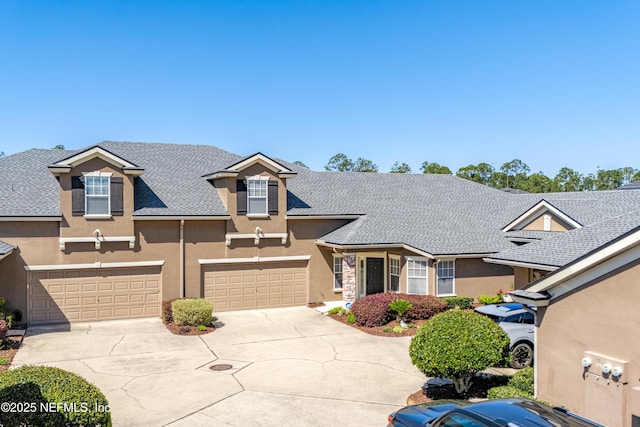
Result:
{"points": [[439, 214], [631, 186], [5, 248], [563, 248]]}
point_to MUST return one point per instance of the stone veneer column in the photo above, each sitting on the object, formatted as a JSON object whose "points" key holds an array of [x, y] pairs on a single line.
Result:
{"points": [[349, 277]]}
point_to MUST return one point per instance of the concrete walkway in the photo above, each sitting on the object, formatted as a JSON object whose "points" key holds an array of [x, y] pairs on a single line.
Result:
{"points": [[291, 366]]}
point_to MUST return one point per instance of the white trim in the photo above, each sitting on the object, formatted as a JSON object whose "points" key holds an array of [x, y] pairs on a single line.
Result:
{"points": [[98, 216], [254, 259], [547, 222], [452, 260], [333, 270], [221, 174], [599, 262], [446, 257], [93, 265], [361, 271], [399, 259], [96, 240], [323, 216], [258, 215], [30, 218], [538, 209], [375, 246], [262, 179], [56, 170], [98, 173], [521, 264], [417, 258], [256, 236], [260, 158], [179, 218], [96, 152]]}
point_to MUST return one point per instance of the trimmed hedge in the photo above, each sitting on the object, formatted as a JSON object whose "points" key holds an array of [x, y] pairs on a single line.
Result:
{"points": [[463, 303], [519, 385], [70, 399], [373, 310], [192, 312], [506, 392]]}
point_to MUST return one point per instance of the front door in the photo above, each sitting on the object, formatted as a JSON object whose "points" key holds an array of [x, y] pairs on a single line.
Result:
{"points": [[375, 275]]}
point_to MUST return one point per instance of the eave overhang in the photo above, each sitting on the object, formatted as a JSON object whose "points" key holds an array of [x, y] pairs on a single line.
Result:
{"points": [[535, 211], [258, 158], [65, 165], [349, 247]]}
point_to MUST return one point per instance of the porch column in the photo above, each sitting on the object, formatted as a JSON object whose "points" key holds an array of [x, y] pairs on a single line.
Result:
{"points": [[349, 277]]}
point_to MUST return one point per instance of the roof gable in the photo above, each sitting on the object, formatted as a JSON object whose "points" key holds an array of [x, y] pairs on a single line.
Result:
{"points": [[535, 212], [258, 158], [90, 153]]}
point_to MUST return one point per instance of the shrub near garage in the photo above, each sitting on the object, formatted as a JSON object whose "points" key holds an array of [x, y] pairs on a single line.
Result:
{"points": [[373, 310], [463, 303], [519, 385], [192, 312], [423, 306], [44, 385]]}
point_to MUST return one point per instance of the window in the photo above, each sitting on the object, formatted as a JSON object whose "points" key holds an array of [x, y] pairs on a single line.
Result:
{"points": [[257, 195], [459, 420], [547, 223], [417, 276], [337, 272], [97, 197], [394, 274], [445, 278]]}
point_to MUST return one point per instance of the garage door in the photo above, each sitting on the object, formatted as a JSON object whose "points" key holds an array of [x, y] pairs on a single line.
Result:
{"points": [[93, 294], [256, 285]]}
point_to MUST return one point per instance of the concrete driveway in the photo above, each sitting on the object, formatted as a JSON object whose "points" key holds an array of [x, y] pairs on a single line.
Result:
{"points": [[291, 366]]}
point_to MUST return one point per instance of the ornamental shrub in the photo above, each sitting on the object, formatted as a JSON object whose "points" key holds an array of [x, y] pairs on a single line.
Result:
{"points": [[167, 313], [463, 303], [400, 306], [192, 312], [506, 392], [4, 327], [74, 400], [523, 380], [423, 307], [351, 318], [458, 344], [373, 310], [490, 299]]}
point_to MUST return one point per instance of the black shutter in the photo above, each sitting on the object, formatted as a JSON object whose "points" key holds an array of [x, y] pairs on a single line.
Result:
{"points": [[273, 197], [77, 196], [117, 208], [241, 190]]}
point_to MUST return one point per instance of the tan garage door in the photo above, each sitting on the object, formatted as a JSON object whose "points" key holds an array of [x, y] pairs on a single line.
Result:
{"points": [[255, 285], [93, 294]]}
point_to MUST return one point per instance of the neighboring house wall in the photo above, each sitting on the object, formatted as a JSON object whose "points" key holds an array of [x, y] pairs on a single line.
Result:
{"points": [[601, 317], [521, 277]]}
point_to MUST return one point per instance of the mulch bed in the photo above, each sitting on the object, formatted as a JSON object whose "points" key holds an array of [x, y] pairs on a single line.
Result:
{"points": [[382, 331], [187, 330], [8, 350]]}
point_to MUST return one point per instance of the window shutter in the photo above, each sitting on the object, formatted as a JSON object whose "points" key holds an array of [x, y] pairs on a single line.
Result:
{"points": [[273, 197], [117, 208], [241, 191], [77, 196]]}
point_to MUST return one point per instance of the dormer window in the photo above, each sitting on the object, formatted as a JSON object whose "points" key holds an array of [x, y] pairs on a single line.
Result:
{"points": [[257, 195], [97, 195]]}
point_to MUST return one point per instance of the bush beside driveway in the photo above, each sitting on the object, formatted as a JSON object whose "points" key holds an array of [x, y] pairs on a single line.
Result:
{"points": [[290, 366]]}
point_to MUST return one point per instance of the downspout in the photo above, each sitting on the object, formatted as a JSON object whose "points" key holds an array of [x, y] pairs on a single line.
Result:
{"points": [[182, 282]]}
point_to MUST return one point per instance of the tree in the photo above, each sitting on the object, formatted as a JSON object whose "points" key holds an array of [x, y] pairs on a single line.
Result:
{"points": [[609, 179], [588, 183], [364, 165], [628, 174], [340, 162], [435, 168], [480, 173], [400, 168], [516, 172], [1, 153], [458, 344], [58, 147], [301, 164], [568, 180], [537, 183]]}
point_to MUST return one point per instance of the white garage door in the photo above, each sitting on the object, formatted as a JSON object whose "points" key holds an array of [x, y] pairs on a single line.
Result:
{"points": [[84, 295], [256, 285]]}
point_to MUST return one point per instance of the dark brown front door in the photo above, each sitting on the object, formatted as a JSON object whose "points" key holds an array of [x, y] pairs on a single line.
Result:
{"points": [[375, 275]]}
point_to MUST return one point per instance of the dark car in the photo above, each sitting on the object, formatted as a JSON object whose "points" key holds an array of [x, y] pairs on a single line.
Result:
{"points": [[491, 413], [518, 323]]}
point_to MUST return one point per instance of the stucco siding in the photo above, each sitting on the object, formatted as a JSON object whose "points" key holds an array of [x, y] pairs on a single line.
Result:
{"points": [[601, 317]]}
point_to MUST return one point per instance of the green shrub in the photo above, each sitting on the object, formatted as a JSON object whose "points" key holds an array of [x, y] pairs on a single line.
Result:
{"points": [[398, 329], [463, 303], [386, 329], [400, 306], [335, 310], [4, 327], [351, 318], [46, 385], [523, 380], [192, 312], [507, 391], [202, 328], [4, 361], [490, 299], [457, 344]]}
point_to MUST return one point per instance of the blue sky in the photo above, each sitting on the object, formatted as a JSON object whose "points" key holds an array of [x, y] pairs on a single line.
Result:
{"points": [[553, 83]]}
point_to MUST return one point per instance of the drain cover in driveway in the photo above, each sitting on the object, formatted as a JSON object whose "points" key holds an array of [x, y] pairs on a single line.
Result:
{"points": [[220, 367]]}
